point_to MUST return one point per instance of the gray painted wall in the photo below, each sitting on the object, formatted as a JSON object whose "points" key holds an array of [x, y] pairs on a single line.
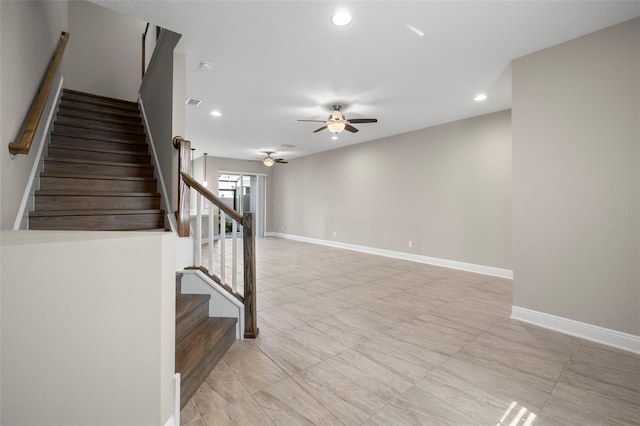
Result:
{"points": [[25, 51], [576, 183], [104, 54], [156, 94], [446, 188]]}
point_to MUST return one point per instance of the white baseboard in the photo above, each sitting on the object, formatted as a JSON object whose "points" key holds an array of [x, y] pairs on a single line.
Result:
{"points": [[453, 264], [617, 339]]}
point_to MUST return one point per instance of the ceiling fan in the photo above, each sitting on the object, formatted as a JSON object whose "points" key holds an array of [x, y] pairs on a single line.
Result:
{"points": [[270, 161], [337, 122]]}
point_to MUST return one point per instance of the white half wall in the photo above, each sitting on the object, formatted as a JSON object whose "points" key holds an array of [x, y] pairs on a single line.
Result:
{"points": [[88, 328]]}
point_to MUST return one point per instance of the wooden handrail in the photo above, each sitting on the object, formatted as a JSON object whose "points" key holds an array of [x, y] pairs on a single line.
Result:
{"points": [[23, 145], [191, 182]]}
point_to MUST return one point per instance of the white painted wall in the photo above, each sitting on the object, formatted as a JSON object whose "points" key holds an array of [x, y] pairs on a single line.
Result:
{"points": [[446, 188], [29, 34], [88, 328], [104, 56], [576, 179]]}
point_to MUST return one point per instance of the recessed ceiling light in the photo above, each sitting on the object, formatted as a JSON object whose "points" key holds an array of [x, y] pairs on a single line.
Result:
{"points": [[341, 18], [334, 137], [216, 113], [480, 97]]}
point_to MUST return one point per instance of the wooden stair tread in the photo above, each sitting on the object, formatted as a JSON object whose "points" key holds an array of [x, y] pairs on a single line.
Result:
{"points": [[124, 133], [200, 339], [102, 177], [98, 162], [98, 123], [44, 213], [199, 352], [99, 99], [59, 145], [57, 131], [96, 138], [113, 117], [97, 193], [186, 302]]}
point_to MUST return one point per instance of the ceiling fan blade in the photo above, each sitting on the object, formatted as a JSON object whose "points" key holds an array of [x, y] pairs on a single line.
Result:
{"points": [[282, 161], [315, 121], [363, 120], [350, 128], [321, 128], [278, 159]]}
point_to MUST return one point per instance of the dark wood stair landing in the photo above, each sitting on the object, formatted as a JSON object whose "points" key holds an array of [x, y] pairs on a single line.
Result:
{"points": [[201, 341]]}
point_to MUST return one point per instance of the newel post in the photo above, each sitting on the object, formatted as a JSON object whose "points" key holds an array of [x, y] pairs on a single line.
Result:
{"points": [[184, 204], [249, 250]]}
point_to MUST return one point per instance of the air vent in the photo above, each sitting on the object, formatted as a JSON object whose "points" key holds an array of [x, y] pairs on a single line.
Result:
{"points": [[194, 102], [286, 145]]}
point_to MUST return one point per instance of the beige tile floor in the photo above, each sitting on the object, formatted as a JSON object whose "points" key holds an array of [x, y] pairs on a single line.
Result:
{"points": [[351, 338]]}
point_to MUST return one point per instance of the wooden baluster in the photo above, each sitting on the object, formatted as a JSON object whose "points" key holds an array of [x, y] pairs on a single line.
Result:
{"points": [[250, 297]]}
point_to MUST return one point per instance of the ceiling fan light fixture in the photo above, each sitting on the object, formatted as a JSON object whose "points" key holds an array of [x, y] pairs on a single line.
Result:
{"points": [[268, 161], [336, 127], [341, 18]]}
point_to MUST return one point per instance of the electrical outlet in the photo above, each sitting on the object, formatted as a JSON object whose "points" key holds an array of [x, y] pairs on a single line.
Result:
{"points": [[410, 244]]}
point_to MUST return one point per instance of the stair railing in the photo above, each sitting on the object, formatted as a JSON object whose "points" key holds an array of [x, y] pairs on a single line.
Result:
{"points": [[30, 126], [219, 216]]}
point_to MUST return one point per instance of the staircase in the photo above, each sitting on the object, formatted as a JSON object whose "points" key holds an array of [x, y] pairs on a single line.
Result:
{"points": [[97, 174], [201, 341]]}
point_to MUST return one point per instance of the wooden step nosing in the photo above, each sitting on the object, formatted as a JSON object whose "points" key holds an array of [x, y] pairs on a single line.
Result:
{"points": [[99, 129], [97, 137], [93, 95], [91, 98], [98, 108], [67, 119], [97, 163], [70, 111], [100, 177], [214, 329], [98, 212], [55, 193], [183, 308], [58, 145]]}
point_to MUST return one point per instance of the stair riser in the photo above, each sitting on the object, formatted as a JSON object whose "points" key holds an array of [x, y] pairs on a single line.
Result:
{"points": [[190, 382], [136, 129], [98, 134], [96, 169], [100, 116], [48, 183], [67, 103], [190, 320], [76, 202], [96, 100], [98, 223], [80, 143], [55, 152]]}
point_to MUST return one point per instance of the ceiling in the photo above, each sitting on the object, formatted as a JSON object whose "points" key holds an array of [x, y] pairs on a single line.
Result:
{"points": [[410, 64]]}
